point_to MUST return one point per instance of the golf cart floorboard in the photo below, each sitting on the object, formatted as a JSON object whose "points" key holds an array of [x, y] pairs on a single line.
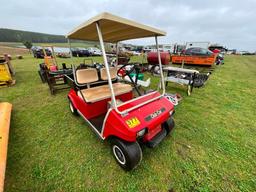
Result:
{"points": [[97, 122]]}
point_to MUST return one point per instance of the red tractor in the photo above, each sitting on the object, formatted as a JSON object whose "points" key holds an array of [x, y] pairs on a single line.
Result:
{"points": [[109, 106]]}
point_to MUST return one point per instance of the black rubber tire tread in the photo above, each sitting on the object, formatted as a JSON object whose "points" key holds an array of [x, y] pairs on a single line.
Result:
{"points": [[131, 151]]}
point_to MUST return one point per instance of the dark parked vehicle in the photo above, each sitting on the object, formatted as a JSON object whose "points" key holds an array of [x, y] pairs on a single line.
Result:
{"points": [[198, 51], [80, 52], [248, 53], [39, 53]]}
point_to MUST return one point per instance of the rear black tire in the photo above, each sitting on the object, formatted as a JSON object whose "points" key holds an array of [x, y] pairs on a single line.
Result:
{"points": [[127, 154], [72, 108], [169, 125]]}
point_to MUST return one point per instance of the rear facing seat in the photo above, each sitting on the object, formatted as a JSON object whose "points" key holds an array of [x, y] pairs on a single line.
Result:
{"points": [[94, 94]]}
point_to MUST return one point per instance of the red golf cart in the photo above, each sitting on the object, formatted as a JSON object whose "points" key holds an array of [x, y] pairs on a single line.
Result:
{"points": [[109, 106]]}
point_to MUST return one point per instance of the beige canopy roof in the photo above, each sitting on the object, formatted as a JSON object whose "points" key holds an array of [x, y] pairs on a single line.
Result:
{"points": [[113, 29]]}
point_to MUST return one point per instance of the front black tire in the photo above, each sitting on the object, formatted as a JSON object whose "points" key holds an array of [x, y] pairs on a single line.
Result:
{"points": [[127, 154], [72, 108]]}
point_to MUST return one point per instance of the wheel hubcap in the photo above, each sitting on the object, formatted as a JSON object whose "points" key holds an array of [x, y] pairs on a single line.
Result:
{"points": [[119, 155]]}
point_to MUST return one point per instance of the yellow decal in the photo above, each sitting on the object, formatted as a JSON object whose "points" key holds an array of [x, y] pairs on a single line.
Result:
{"points": [[133, 122]]}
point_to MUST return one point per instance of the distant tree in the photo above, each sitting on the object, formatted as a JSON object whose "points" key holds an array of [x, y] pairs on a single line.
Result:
{"points": [[28, 45]]}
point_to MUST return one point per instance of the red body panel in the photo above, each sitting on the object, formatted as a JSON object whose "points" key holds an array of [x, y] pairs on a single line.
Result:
{"points": [[90, 110], [115, 124], [121, 129], [152, 133]]}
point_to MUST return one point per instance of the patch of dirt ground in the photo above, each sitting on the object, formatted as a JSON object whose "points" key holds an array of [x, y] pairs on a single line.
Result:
{"points": [[13, 51]]}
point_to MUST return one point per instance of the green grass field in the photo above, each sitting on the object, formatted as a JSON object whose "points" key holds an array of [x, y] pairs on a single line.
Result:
{"points": [[213, 147]]}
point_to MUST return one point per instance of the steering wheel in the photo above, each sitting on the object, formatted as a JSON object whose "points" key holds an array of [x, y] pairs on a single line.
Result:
{"points": [[98, 66], [122, 72]]}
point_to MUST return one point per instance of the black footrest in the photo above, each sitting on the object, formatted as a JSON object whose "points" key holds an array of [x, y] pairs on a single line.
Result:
{"points": [[157, 139]]}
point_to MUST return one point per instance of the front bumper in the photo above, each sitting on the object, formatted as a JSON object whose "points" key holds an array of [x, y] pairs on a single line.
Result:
{"points": [[166, 128], [157, 139]]}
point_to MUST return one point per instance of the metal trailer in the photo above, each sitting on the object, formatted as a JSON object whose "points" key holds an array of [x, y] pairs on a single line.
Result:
{"points": [[181, 76], [6, 72], [189, 77]]}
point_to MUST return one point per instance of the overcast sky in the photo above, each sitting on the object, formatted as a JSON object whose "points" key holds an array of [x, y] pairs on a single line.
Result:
{"points": [[228, 22]]}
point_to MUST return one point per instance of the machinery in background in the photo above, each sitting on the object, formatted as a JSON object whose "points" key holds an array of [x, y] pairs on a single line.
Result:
{"points": [[199, 53], [153, 62], [188, 77], [49, 72], [6, 71], [195, 56], [152, 58]]}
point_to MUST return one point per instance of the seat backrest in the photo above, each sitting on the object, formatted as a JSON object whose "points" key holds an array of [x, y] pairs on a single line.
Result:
{"points": [[86, 76], [112, 70]]}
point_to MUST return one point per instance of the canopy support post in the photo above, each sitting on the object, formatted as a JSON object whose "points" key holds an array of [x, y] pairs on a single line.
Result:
{"points": [[71, 56], [117, 52], [160, 65], [69, 45], [113, 99]]}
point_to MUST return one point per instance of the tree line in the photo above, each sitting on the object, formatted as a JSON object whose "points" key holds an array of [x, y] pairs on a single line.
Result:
{"points": [[11, 35]]}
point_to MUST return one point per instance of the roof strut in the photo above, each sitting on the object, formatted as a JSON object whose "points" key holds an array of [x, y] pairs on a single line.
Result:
{"points": [[113, 99]]}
